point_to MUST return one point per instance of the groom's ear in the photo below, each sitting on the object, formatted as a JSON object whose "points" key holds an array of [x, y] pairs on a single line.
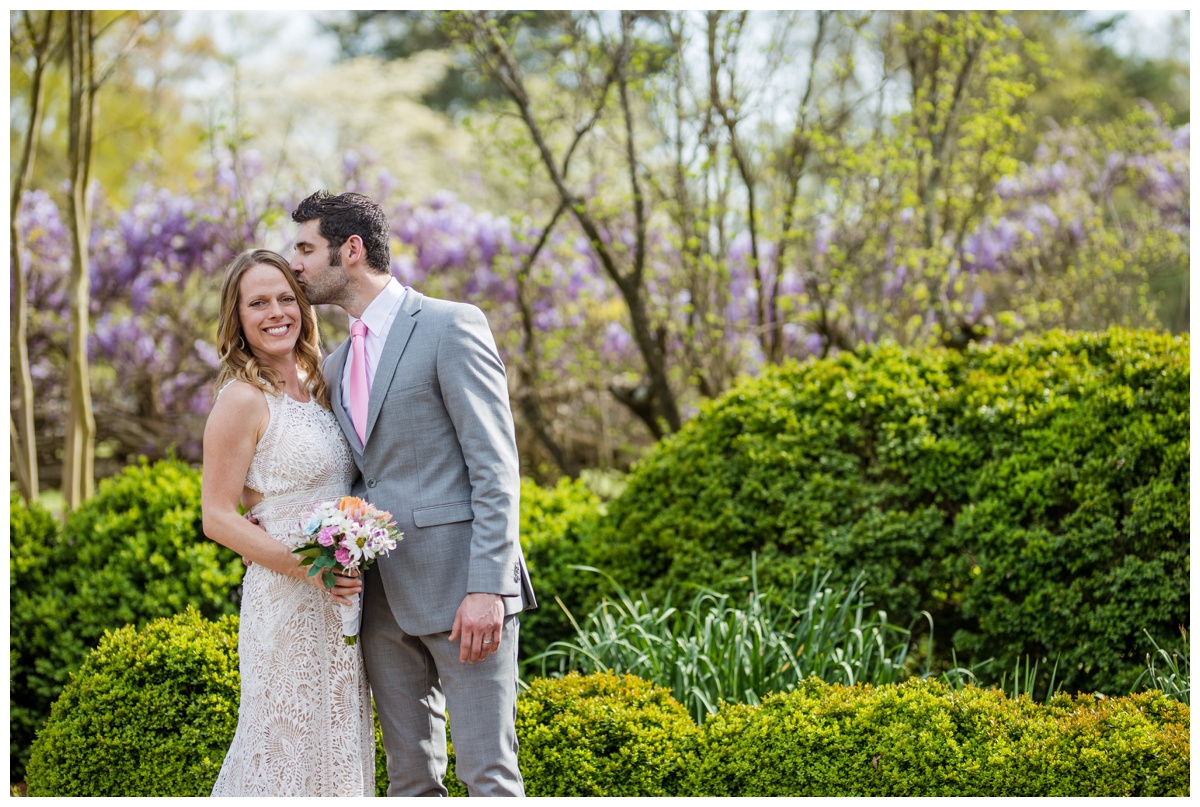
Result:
{"points": [[355, 251]]}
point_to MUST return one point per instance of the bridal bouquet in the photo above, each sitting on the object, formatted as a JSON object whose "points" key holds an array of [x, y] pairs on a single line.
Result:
{"points": [[343, 535]]}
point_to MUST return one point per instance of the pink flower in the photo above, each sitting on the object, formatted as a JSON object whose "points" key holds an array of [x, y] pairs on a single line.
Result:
{"points": [[325, 536], [342, 556]]}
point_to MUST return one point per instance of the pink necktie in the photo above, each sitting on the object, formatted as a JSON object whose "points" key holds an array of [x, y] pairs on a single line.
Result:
{"points": [[358, 378]]}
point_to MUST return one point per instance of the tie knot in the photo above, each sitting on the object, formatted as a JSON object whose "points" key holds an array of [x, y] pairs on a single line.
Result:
{"points": [[359, 328]]}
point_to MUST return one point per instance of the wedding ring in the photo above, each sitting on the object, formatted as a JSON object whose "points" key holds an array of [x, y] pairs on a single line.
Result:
{"points": [[487, 641]]}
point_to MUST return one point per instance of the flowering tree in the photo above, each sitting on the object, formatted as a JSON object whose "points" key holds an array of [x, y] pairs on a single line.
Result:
{"points": [[919, 226], [154, 275]]}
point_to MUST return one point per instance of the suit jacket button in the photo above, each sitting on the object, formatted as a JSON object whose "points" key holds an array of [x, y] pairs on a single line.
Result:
{"points": [[370, 483]]}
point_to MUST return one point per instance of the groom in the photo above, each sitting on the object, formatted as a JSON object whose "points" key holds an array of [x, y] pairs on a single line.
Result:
{"points": [[421, 395]]}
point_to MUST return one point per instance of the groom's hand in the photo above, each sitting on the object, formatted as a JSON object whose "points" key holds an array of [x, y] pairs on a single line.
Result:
{"points": [[477, 625], [253, 520]]}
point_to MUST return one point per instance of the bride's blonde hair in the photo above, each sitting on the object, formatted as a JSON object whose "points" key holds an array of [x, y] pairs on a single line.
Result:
{"points": [[237, 361]]}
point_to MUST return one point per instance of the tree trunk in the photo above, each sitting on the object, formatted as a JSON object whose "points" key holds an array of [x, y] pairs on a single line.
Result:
{"points": [[22, 441], [499, 63], [79, 450]]}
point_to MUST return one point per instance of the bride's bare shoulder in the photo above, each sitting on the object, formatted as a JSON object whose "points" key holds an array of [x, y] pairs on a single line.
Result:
{"points": [[240, 398]]}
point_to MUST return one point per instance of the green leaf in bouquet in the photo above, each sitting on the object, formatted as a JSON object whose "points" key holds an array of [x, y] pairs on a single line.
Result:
{"points": [[328, 579]]}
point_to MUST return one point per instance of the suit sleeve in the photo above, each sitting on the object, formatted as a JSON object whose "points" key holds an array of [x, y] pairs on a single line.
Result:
{"points": [[475, 392]]}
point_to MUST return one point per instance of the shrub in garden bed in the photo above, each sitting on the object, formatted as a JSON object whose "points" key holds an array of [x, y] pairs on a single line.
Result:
{"points": [[152, 712], [603, 735], [1033, 498], [132, 553], [149, 713], [922, 738]]}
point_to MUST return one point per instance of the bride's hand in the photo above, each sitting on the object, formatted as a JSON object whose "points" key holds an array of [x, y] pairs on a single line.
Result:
{"points": [[348, 584]]}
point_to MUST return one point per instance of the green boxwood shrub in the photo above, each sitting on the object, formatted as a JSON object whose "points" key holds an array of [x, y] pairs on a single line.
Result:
{"points": [[603, 735], [922, 738], [554, 524], [1033, 498], [149, 713], [132, 553], [152, 713]]}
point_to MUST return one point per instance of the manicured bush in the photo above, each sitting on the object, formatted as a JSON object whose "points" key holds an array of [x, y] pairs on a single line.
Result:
{"points": [[1033, 498], [603, 735], [595, 735], [922, 738], [149, 713], [133, 553], [554, 524]]}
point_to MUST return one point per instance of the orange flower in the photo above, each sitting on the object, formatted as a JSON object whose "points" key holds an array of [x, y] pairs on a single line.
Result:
{"points": [[348, 504]]}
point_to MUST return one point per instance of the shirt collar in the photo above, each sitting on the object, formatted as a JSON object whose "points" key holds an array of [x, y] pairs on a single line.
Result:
{"points": [[377, 313]]}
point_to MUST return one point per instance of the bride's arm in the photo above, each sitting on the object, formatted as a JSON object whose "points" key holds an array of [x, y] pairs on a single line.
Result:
{"points": [[237, 421]]}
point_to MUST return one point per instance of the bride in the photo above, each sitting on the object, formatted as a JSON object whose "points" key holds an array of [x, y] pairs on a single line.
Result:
{"points": [[271, 443]]}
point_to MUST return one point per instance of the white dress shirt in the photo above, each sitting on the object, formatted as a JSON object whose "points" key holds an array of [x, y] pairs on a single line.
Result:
{"points": [[378, 316]]}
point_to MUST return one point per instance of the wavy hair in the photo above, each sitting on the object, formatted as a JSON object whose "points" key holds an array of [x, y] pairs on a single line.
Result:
{"points": [[233, 351]]}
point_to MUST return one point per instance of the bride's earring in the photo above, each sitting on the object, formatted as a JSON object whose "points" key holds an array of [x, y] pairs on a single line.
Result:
{"points": [[241, 342]]}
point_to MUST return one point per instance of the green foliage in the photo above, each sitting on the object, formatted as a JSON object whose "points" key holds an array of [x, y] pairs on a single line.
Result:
{"points": [[150, 713], [921, 738], [33, 532], [1032, 498], [554, 521], [603, 735], [717, 649], [133, 553]]}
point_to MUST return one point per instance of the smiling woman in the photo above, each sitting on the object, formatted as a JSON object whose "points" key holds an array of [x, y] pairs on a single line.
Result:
{"points": [[272, 446]]}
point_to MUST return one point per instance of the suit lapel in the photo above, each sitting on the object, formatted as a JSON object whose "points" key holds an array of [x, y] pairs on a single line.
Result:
{"points": [[397, 341], [335, 366]]}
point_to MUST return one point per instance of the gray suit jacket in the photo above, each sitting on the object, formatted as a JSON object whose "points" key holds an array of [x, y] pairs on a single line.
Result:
{"points": [[441, 457]]}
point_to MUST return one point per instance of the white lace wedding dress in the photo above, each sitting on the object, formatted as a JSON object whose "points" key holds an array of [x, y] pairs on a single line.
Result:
{"points": [[304, 721]]}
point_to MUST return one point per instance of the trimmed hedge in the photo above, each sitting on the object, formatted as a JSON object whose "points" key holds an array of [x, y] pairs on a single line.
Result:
{"points": [[133, 553], [921, 738], [603, 735], [150, 713], [1033, 497]]}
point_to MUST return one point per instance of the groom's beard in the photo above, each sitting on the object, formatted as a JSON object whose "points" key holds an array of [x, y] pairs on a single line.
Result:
{"points": [[328, 287]]}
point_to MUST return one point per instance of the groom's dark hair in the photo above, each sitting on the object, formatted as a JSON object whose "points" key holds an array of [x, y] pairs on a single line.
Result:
{"points": [[347, 214]]}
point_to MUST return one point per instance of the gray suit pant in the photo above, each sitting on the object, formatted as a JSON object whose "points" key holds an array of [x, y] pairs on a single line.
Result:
{"points": [[413, 678]]}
